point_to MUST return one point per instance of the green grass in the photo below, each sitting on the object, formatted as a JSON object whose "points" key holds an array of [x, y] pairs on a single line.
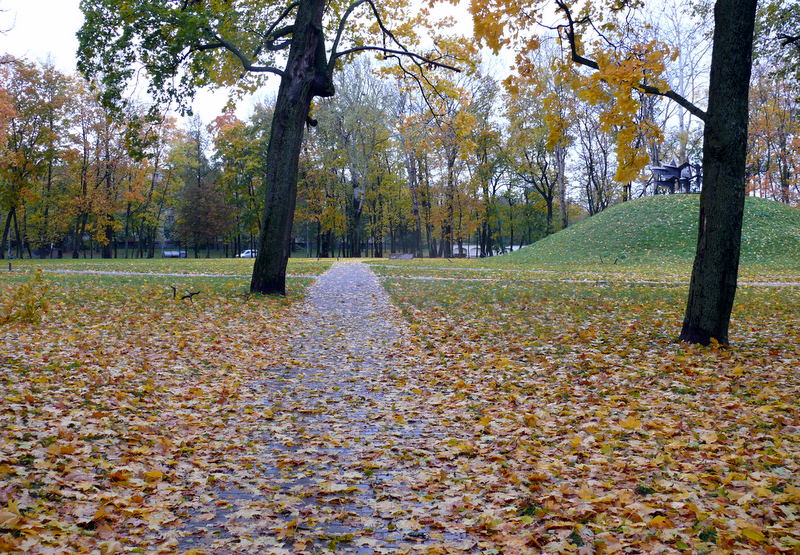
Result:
{"points": [[652, 238], [221, 266], [151, 281], [662, 230]]}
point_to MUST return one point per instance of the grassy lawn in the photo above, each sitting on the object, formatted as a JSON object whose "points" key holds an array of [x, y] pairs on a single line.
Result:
{"points": [[226, 266], [658, 231]]}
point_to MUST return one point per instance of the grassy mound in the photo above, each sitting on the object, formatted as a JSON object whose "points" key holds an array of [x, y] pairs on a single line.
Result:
{"points": [[662, 229]]}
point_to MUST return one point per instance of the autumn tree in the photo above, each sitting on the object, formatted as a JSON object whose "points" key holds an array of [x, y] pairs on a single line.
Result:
{"points": [[414, 153], [530, 131], [453, 121], [36, 128], [687, 73], [45, 215], [239, 148], [185, 45], [778, 37], [774, 138], [356, 126], [594, 162], [159, 180], [487, 161], [628, 68], [203, 214]]}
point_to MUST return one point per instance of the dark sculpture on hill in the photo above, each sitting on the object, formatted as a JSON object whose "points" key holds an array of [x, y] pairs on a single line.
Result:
{"points": [[674, 178]]}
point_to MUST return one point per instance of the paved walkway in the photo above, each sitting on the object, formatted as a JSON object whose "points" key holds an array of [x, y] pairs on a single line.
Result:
{"points": [[349, 456]]}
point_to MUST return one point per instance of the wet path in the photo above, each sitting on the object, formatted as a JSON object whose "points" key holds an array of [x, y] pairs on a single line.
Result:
{"points": [[348, 458]]}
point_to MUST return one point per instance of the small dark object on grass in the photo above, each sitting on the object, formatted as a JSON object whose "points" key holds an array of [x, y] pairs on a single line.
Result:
{"points": [[616, 259], [189, 295]]}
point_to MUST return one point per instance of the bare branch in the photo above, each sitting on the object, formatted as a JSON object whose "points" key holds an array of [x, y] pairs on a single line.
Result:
{"points": [[340, 31], [417, 57], [415, 77], [675, 97], [281, 17], [789, 39], [269, 43], [247, 65], [271, 35]]}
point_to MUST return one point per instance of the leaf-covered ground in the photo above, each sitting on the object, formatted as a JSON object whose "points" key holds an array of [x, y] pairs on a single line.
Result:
{"points": [[122, 404], [592, 429], [518, 413]]}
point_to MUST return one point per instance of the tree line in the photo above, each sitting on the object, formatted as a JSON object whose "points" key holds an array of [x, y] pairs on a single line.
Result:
{"points": [[466, 165]]}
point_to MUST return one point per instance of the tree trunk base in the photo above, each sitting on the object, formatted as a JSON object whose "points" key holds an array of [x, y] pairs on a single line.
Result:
{"points": [[269, 286], [691, 334]]}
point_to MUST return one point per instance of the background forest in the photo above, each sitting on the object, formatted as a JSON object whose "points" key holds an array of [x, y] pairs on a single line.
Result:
{"points": [[455, 165]]}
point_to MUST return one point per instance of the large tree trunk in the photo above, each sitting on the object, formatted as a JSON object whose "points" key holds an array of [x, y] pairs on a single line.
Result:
{"points": [[305, 77], [716, 265]]}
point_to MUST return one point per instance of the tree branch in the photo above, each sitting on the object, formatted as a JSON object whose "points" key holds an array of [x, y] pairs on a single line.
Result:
{"points": [[388, 51], [789, 39], [569, 31], [340, 31], [272, 35], [284, 14], [269, 43], [675, 97], [415, 77], [247, 65]]}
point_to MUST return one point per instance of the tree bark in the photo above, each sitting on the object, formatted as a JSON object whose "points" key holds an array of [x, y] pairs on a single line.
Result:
{"points": [[716, 265], [305, 77]]}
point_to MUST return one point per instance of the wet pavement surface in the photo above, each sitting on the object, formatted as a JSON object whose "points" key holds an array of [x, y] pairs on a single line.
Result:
{"points": [[347, 461]]}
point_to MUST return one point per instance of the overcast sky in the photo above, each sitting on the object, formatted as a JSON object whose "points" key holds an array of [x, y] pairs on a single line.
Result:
{"points": [[42, 29]]}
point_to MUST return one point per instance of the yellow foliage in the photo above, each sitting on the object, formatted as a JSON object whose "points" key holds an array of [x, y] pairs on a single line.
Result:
{"points": [[28, 303]]}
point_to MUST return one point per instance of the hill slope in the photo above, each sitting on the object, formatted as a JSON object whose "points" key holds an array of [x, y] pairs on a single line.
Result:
{"points": [[664, 229]]}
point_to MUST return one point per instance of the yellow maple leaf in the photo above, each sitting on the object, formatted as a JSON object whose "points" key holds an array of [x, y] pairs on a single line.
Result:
{"points": [[586, 493], [755, 535], [659, 522], [709, 437], [631, 423], [9, 520]]}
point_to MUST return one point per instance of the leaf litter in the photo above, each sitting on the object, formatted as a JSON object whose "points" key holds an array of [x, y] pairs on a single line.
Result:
{"points": [[503, 419]]}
